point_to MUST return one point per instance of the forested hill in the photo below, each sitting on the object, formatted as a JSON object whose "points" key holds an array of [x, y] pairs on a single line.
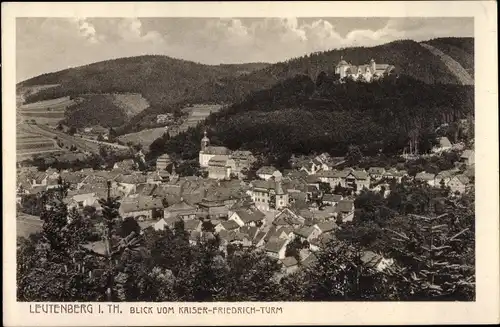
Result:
{"points": [[302, 116], [167, 83]]}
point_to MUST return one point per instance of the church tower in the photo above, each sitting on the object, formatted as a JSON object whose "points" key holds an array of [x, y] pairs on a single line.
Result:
{"points": [[373, 66], [205, 142]]}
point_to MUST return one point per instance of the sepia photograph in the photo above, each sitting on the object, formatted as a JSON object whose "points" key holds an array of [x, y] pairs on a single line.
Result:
{"points": [[244, 159]]}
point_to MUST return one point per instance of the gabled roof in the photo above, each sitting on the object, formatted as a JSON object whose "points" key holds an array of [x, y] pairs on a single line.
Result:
{"points": [[376, 170], [140, 204], [444, 142], [260, 235], [467, 154], [145, 189], [327, 226], [217, 150], [289, 262], [423, 176], [180, 206], [370, 259], [266, 170], [131, 179], [218, 161], [275, 245], [463, 179], [250, 231], [359, 174], [230, 225], [332, 197], [304, 231], [192, 224], [344, 206], [250, 215]]}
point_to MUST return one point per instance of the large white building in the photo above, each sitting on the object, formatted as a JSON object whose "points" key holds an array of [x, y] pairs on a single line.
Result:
{"points": [[207, 151], [369, 72]]}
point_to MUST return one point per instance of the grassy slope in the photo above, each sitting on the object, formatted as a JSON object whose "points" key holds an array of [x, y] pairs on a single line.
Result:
{"points": [[460, 49]]}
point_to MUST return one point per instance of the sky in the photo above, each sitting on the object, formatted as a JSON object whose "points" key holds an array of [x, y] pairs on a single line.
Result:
{"points": [[46, 45]]}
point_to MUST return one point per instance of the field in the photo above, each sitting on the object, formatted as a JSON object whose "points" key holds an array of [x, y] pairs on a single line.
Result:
{"points": [[29, 143], [144, 137], [131, 103], [48, 112], [197, 113]]}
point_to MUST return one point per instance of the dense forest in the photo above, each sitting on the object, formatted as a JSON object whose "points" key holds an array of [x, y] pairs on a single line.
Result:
{"points": [[302, 116], [429, 237], [169, 84]]}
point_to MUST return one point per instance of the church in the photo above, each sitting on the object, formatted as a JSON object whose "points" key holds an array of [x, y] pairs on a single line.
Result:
{"points": [[368, 72], [222, 163]]}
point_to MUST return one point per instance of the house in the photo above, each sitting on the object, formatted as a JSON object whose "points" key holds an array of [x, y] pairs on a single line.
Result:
{"points": [[220, 167], [376, 172], [127, 164], [250, 231], [214, 209], [80, 200], [459, 184], [357, 179], [163, 161], [307, 233], [312, 167], [181, 210], [243, 161], [127, 184], [207, 151], [321, 241], [345, 210], [287, 217], [193, 225], [141, 208], [444, 177], [443, 145], [467, 157], [40, 179], [331, 199], [166, 222], [371, 260], [196, 237], [276, 248], [290, 265], [145, 189], [266, 172], [269, 195], [248, 217], [259, 239], [229, 225], [425, 178]]}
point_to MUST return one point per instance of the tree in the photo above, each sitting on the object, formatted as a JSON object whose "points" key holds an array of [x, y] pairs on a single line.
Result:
{"points": [[72, 130], [59, 127], [354, 155], [293, 248]]}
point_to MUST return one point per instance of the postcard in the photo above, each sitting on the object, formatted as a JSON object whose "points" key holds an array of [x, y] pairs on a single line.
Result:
{"points": [[250, 163]]}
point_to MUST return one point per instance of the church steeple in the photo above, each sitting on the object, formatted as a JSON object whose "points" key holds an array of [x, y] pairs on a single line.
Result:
{"points": [[205, 141]]}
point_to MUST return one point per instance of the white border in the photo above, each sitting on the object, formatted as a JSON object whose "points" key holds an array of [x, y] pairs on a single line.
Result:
{"points": [[484, 310]]}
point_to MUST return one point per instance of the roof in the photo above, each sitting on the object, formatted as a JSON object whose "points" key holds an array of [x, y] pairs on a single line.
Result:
{"points": [[140, 204], [327, 226], [332, 197], [463, 179], [218, 160], [266, 170], [310, 261], [164, 156], [289, 262], [230, 225], [260, 235], [360, 174], [444, 142], [250, 215], [180, 206], [97, 247], [275, 245], [344, 206], [376, 170], [191, 224], [304, 231], [467, 154], [424, 176], [145, 189], [131, 179], [342, 63], [217, 150], [286, 217], [445, 174], [370, 259]]}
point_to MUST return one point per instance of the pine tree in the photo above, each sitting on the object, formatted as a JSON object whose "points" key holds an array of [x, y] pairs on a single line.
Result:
{"points": [[434, 267]]}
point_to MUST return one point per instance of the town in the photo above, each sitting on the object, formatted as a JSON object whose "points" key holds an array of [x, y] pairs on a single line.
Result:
{"points": [[309, 203]]}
